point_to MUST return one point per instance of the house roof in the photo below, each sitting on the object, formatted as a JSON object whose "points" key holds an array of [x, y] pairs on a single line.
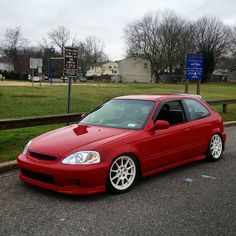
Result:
{"points": [[102, 63], [139, 57]]}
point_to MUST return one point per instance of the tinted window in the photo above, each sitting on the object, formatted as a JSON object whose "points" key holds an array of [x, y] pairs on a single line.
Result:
{"points": [[195, 109], [171, 112]]}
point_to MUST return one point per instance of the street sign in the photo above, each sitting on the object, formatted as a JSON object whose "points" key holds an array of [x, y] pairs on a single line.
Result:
{"points": [[194, 66], [35, 63], [70, 62]]}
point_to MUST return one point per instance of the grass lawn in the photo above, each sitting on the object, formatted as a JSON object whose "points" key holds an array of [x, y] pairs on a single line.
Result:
{"points": [[22, 101]]}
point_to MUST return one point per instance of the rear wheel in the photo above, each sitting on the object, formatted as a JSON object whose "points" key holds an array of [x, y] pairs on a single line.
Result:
{"points": [[215, 148], [122, 174]]}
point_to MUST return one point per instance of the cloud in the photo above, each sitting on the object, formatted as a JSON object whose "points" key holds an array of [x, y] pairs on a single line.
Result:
{"points": [[105, 19]]}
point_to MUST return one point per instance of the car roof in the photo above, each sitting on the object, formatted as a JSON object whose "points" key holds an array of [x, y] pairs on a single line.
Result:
{"points": [[158, 97]]}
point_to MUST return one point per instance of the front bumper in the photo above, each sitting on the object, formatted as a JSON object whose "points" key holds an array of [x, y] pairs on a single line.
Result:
{"points": [[68, 179]]}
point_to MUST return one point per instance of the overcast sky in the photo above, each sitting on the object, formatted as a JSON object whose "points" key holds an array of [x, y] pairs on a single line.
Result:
{"points": [[105, 19]]}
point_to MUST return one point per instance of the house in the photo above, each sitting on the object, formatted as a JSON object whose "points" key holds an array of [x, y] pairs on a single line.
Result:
{"points": [[219, 75], [5, 66], [110, 68], [232, 74], [135, 69], [99, 69]]}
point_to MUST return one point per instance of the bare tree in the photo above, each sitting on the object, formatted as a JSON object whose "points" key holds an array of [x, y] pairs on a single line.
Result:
{"points": [[143, 39], [157, 37], [59, 37], [185, 43], [173, 29], [91, 51], [13, 45], [233, 44], [95, 49], [212, 38]]}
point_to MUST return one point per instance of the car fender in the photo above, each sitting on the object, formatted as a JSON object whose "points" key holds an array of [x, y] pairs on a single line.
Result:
{"points": [[116, 152]]}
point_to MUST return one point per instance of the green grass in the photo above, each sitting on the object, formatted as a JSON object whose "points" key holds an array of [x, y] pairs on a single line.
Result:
{"points": [[20, 101], [13, 141]]}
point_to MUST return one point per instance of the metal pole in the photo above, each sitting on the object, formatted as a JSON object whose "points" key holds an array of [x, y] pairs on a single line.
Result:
{"points": [[186, 85], [68, 96], [48, 69], [51, 70], [32, 79], [198, 86]]}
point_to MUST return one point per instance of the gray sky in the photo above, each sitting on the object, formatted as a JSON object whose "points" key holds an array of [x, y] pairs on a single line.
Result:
{"points": [[105, 19]]}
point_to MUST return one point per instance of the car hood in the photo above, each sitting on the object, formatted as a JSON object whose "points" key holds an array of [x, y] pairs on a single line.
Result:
{"points": [[62, 142]]}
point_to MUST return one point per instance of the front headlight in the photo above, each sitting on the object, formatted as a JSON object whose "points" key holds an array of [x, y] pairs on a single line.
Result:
{"points": [[26, 147], [83, 157]]}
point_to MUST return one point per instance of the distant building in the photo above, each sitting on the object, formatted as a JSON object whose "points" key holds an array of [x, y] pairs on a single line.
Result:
{"points": [[219, 75], [99, 69], [135, 69], [5, 66], [232, 74]]}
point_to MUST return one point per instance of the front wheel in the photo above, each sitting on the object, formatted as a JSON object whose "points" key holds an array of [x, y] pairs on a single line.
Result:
{"points": [[122, 174], [215, 148]]}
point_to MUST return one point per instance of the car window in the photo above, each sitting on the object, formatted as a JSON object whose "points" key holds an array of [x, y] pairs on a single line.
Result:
{"points": [[172, 112], [121, 113], [195, 109]]}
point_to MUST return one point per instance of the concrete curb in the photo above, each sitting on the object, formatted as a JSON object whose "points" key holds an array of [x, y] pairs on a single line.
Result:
{"points": [[9, 165], [229, 124], [12, 165]]}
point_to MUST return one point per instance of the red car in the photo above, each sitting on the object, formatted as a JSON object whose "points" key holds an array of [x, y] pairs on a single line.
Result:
{"points": [[122, 139]]}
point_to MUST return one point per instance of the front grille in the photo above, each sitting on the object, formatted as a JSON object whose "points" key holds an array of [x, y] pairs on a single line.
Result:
{"points": [[38, 176], [44, 157]]}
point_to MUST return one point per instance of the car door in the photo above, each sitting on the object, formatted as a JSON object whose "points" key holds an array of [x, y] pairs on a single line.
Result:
{"points": [[200, 126], [167, 146]]}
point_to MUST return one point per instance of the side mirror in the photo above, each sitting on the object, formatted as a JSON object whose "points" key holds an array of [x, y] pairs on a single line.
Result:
{"points": [[161, 124]]}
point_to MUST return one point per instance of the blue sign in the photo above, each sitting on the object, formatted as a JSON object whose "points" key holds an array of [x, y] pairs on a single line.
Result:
{"points": [[194, 66]]}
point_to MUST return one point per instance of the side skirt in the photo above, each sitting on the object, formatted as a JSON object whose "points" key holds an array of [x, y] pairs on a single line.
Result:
{"points": [[174, 165]]}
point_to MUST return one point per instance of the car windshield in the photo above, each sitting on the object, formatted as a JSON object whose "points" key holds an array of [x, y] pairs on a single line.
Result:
{"points": [[120, 113]]}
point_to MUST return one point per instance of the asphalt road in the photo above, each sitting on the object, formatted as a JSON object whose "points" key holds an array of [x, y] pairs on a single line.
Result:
{"points": [[197, 199]]}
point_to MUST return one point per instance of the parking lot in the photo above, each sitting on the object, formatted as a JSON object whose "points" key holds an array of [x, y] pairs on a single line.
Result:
{"points": [[197, 199]]}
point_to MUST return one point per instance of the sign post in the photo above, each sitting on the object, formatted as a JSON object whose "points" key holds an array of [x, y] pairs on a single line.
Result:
{"points": [[36, 63], [194, 66], [70, 69]]}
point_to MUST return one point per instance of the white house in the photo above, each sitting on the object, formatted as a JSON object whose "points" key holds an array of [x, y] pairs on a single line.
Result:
{"points": [[107, 68], [135, 69], [232, 74], [5, 66]]}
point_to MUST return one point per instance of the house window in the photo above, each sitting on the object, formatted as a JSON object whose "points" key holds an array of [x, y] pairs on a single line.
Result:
{"points": [[145, 65]]}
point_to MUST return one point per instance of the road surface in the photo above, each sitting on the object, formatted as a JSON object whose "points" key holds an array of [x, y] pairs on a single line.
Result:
{"points": [[197, 199]]}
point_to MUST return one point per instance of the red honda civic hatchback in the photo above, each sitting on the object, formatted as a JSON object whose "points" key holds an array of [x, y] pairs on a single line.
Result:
{"points": [[123, 139]]}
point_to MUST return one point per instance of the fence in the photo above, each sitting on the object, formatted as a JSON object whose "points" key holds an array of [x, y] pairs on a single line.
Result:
{"points": [[68, 118]]}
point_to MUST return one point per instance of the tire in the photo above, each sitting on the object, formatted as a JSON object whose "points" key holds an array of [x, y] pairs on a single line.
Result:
{"points": [[215, 148], [122, 174]]}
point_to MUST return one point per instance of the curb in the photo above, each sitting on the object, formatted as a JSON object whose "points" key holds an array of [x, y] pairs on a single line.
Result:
{"points": [[229, 124], [7, 166], [12, 165]]}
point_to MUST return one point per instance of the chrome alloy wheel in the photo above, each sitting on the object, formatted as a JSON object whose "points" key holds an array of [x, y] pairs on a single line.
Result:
{"points": [[122, 173], [216, 146]]}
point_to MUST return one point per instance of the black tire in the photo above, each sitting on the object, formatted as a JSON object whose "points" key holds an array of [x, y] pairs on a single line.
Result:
{"points": [[215, 148], [122, 174]]}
